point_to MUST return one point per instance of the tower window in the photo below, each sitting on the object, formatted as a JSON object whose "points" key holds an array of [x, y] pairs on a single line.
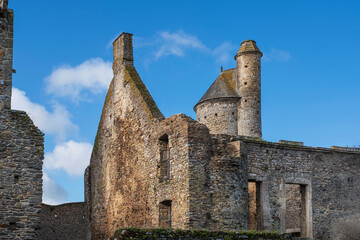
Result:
{"points": [[215, 114], [164, 158], [16, 178]]}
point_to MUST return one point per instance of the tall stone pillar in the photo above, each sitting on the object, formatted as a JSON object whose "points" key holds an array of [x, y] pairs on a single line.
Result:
{"points": [[6, 54], [248, 66]]}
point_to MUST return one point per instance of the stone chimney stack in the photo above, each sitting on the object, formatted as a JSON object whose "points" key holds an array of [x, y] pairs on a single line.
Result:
{"points": [[6, 54], [123, 51], [248, 67]]}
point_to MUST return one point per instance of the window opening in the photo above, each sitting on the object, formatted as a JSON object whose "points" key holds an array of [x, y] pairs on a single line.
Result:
{"points": [[255, 206], [165, 214], [295, 217], [164, 158]]}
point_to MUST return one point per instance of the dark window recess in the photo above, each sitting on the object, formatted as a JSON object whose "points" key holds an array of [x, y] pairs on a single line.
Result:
{"points": [[12, 225], [164, 158], [16, 178], [165, 214]]}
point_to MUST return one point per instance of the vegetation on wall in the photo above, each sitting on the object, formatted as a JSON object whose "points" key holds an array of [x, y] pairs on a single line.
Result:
{"points": [[160, 233]]}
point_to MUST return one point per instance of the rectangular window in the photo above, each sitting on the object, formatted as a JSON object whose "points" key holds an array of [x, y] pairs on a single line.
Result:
{"points": [[165, 214], [164, 158], [255, 206], [295, 217]]}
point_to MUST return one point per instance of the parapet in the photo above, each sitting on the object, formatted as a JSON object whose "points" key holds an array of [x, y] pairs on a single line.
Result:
{"points": [[291, 142], [353, 149]]}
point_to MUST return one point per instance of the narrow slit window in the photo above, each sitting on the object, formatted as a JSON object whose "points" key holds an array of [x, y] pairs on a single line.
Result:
{"points": [[255, 206], [164, 158]]}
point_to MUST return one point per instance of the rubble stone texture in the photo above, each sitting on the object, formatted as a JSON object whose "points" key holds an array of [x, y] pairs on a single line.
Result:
{"points": [[21, 152], [21, 155], [65, 221], [147, 171], [6, 54], [215, 173]]}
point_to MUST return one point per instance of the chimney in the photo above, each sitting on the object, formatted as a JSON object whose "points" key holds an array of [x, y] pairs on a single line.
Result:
{"points": [[123, 50]]}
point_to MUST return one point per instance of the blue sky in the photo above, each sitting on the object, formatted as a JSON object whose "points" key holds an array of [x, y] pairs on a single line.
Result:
{"points": [[63, 54]]}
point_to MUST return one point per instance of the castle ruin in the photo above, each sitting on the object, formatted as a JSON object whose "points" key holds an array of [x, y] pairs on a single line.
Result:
{"points": [[216, 173]]}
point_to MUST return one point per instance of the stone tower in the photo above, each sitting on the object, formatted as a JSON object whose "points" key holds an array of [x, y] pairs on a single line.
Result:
{"points": [[248, 64], [218, 108], [6, 54]]}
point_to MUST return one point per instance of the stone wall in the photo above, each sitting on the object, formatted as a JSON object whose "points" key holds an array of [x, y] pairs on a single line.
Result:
{"points": [[122, 177], [293, 208], [228, 190], [219, 115], [21, 155], [329, 181], [127, 188], [6, 55], [64, 222], [204, 182]]}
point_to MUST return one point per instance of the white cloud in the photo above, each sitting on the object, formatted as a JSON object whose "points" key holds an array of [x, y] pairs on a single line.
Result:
{"points": [[225, 52], [275, 54], [167, 43], [72, 157], [53, 193], [56, 123], [176, 43], [93, 75]]}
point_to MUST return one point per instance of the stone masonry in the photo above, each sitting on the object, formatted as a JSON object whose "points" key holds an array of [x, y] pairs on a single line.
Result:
{"points": [[21, 152], [6, 54], [65, 221], [21, 155], [215, 173]]}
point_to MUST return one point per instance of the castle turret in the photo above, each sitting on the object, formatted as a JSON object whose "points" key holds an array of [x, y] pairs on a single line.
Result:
{"points": [[218, 108], [6, 54], [248, 64]]}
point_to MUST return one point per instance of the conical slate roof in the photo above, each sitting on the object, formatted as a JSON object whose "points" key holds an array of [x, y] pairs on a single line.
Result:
{"points": [[223, 87], [248, 46]]}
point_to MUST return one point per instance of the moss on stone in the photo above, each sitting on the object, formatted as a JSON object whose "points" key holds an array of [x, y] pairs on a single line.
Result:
{"points": [[161, 233], [131, 75]]}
